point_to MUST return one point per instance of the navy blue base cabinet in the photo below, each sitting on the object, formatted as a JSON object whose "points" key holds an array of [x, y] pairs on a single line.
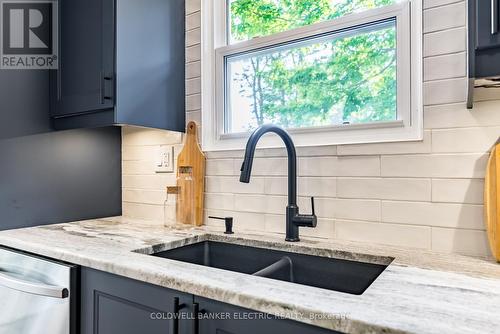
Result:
{"points": [[112, 304], [237, 320], [120, 62]]}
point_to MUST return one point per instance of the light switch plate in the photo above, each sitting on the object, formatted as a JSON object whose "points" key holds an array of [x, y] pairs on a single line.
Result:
{"points": [[164, 159]]}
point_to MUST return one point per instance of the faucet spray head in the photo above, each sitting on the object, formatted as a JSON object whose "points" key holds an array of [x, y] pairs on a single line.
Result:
{"points": [[245, 171]]}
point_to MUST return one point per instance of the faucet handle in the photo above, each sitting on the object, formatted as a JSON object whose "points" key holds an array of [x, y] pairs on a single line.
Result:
{"points": [[312, 206]]}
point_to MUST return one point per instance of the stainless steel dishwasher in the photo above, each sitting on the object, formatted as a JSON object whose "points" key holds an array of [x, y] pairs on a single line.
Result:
{"points": [[37, 295]]}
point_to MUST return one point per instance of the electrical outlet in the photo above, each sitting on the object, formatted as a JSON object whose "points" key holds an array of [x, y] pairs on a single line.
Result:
{"points": [[165, 159]]}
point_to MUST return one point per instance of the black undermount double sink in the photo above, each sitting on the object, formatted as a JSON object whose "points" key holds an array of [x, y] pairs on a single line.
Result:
{"points": [[316, 271]]}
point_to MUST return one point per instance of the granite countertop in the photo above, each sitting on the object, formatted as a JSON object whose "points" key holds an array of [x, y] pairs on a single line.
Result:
{"points": [[419, 292]]}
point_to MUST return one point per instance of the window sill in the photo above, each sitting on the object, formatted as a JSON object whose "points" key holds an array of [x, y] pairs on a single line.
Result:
{"points": [[366, 133], [341, 127]]}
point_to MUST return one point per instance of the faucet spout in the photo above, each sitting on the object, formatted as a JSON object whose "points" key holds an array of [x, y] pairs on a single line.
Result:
{"points": [[293, 218], [246, 168]]}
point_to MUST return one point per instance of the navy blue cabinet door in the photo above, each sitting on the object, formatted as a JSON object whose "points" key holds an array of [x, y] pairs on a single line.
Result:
{"points": [[488, 26], [218, 318], [84, 81], [113, 304]]}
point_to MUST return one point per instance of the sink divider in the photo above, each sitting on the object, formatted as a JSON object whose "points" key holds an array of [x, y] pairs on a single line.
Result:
{"points": [[284, 263]]}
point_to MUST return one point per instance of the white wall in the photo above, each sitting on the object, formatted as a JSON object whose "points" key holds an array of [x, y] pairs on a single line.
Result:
{"points": [[422, 194]]}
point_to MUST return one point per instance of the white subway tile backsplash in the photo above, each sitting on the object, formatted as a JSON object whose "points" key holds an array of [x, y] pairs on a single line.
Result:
{"points": [[316, 151], [445, 17], [193, 70], [156, 197], [193, 53], [467, 242], [276, 186], [194, 116], [136, 153], [193, 102], [445, 91], [250, 203], [143, 211], [380, 233], [248, 221], [266, 166], [318, 166], [192, 6], [445, 67], [193, 37], [193, 20], [357, 166], [445, 42], [340, 166], [470, 191], [275, 204], [437, 3], [226, 184], [423, 146], [156, 182], [193, 86], [137, 168], [465, 139], [220, 167], [306, 186], [238, 154], [317, 186], [457, 115], [357, 209], [464, 216], [275, 223], [385, 188], [219, 201], [436, 165]]}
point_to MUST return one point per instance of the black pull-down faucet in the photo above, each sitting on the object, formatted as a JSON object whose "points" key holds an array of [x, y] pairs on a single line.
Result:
{"points": [[294, 219]]}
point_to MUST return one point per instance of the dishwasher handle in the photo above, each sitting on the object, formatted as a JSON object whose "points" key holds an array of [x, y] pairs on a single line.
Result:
{"points": [[33, 288]]}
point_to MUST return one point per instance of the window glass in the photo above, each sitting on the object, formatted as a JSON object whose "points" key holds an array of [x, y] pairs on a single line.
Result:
{"points": [[346, 77], [253, 18]]}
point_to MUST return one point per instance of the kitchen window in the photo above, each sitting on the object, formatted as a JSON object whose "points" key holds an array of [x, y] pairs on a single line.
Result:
{"points": [[329, 71]]}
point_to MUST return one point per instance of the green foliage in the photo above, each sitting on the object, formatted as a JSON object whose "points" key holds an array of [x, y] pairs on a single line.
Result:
{"points": [[346, 78]]}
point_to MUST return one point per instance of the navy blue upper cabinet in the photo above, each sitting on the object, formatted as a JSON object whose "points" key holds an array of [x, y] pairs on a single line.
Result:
{"points": [[484, 38], [120, 62], [488, 27]]}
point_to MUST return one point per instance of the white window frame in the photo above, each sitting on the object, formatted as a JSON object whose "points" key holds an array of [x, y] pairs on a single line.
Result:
{"points": [[408, 126]]}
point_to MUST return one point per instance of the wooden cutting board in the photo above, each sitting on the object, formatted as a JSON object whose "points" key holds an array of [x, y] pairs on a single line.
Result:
{"points": [[191, 161], [492, 201]]}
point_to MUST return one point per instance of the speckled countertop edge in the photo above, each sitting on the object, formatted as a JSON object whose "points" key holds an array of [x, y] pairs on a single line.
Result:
{"points": [[420, 292]]}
